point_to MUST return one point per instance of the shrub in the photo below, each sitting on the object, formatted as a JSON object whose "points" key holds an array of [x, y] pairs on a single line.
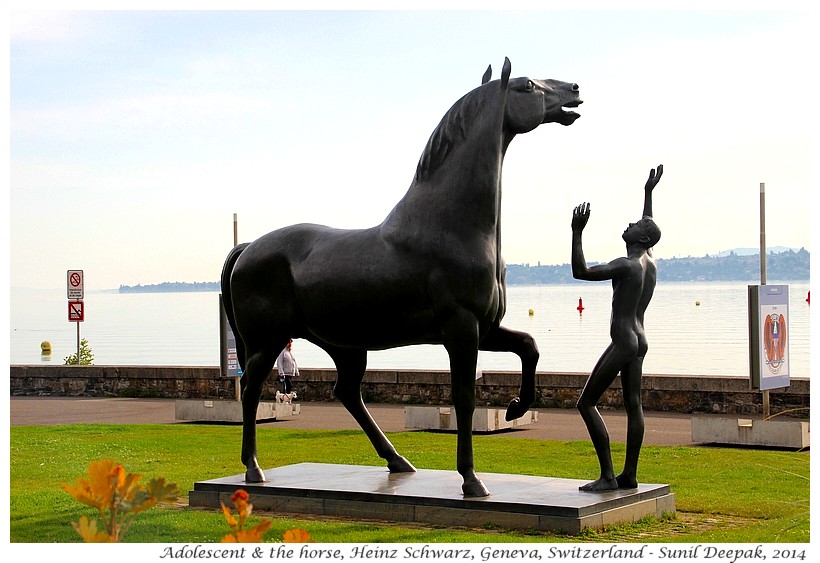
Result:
{"points": [[86, 355]]}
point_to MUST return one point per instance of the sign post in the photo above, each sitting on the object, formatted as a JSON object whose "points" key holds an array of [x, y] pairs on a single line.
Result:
{"points": [[75, 291], [768, 326], [229, 360]]}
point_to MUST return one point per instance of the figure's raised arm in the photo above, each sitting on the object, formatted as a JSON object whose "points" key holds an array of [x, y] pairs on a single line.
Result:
{"points": [[580, 270], [580, 216], [654, 177]]}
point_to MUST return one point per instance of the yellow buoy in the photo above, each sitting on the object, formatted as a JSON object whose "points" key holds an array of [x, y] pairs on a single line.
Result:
{"points": [[532, 312], [45, 347], [697, 303]]}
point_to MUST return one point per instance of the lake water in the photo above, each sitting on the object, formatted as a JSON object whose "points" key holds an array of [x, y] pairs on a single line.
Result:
{"points": [[693, 329]]}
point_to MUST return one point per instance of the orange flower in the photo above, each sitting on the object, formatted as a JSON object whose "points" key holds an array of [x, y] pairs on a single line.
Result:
{"points": [[232, 522], [88, 531], [296, 535], [118, 497], [244, 508]]}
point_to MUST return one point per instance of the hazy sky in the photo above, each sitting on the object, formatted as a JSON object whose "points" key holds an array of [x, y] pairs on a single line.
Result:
{"points": [[136, 135]]}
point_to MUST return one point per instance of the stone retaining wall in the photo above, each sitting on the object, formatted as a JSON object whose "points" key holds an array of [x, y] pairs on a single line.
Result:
{"points": [[673, 393]]}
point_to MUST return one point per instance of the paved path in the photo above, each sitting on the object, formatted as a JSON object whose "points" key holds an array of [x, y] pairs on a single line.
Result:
{"points": [[666, 429]]}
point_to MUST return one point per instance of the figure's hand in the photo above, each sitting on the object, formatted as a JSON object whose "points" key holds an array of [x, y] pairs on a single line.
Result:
{"points": [[654, 177], [580, 216]]}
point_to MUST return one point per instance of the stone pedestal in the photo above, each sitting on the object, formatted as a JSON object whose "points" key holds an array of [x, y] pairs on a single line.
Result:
{"points": [[197, 410], [485, 419], [780, 433], [434, 497]]}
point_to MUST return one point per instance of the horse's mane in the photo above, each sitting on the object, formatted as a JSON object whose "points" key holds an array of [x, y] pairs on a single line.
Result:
{"points": [[452, 128]]}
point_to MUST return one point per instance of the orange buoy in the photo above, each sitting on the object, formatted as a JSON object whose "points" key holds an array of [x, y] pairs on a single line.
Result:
{"points": [[580, 306]]}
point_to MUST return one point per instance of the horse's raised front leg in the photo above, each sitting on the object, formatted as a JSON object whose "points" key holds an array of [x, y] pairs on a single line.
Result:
{"points": [[461, 342], [257, 369], [350, 368], [501, 339]]}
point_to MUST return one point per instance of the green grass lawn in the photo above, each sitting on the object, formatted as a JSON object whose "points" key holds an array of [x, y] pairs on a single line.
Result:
{"points": [[722, 494]]}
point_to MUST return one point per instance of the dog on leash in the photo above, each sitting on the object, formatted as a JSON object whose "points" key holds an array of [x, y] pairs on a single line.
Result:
{"points": [[285, 398]]}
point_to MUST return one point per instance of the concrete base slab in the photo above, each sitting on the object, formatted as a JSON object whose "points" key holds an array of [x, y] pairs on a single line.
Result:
{"points": [[230, 411], [434, 497], [751, 432], [485, 419]]}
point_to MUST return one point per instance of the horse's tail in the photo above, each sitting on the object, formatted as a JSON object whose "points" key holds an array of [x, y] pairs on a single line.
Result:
{"points": [[227, 298]]}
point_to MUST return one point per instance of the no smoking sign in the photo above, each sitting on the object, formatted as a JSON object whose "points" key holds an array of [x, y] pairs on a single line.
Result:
{"points": [[75, 284]]}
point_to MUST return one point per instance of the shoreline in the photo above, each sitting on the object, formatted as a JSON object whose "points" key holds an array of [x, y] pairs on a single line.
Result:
{"points": [[662, 393]]}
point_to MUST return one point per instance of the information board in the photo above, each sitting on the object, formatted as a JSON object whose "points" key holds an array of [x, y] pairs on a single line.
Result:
{"points": [[769, 336]]}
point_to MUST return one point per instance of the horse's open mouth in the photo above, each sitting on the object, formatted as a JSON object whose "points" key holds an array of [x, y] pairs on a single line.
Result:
{"points": [[568, 117]]}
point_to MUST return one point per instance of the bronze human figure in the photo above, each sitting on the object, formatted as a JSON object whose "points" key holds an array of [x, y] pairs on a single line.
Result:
{"points": [[633, 283], [430, 273]]}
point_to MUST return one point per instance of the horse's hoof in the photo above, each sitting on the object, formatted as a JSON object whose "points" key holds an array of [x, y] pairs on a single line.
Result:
{"points": [[400, 465], [516, 409], [474, 488], [254, 475]]}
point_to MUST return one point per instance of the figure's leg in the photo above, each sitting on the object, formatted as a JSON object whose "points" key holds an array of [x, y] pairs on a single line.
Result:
{"points": [[601, 378], [631, 382], [259, 365], [460, 338], [350, 368], [501, 339]]}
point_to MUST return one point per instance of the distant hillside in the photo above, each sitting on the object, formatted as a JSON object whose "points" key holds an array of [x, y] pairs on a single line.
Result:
{"points": [[756, 251], [789, 265], [169, 287], [784, 266]]}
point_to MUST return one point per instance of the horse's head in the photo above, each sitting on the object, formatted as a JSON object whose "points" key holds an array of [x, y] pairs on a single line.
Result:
{"points": [[531, 102], [519, 104]]}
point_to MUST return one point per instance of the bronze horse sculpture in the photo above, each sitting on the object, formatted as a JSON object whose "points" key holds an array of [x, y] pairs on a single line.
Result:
{"points": [[434, 263]]}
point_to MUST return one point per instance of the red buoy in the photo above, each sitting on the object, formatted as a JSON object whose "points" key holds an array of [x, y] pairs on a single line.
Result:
{"points": [[808, 298], [580, 306]]}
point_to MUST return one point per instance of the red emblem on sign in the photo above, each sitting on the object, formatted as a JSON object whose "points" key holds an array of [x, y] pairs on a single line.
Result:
{"points": [[774, 340]]}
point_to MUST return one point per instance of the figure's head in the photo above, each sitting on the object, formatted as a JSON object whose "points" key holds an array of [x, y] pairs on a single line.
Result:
{"points": [[645, 233]]}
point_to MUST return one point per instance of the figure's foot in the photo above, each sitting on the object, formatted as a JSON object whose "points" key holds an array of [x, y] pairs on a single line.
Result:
{"points": [[400, 465], [473, 487], [600, 485], [627, 481], [516, 409], [254, 474]]}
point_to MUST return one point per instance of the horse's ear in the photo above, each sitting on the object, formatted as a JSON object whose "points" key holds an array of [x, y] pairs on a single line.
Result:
{"points": [[487, 75], [505, 73]]}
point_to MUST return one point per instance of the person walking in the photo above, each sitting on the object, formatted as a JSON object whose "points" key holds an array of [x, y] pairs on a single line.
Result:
{"points": [[286, 365]]}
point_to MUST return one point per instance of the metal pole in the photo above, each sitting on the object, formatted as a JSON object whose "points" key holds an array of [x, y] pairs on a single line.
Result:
{"points": [[762, 233], [766, 410], [235, 231], [237, 385], [78, 343]]}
